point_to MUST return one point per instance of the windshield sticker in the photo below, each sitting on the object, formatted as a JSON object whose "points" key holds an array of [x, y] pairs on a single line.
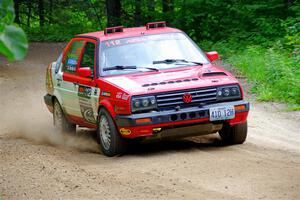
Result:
{"points": [[132, 40]]}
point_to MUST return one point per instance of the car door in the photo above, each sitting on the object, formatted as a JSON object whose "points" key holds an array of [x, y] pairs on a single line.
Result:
{"points": [[67, 78], [88, 93]]}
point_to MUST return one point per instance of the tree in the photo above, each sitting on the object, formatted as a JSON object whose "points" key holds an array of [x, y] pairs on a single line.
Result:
{"points": [[13, 41], [167, 5], [113, 9], [17, 11], [137, 13], [29, 5], [41, 12]]}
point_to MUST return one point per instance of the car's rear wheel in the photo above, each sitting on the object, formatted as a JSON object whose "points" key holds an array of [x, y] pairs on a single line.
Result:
{"points": [[110, 140], [236, 134], [61, 124]]}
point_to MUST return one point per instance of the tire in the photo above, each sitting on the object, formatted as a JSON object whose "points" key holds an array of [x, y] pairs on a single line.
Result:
{"points": [[236, 134], [111, 142], [61, 124]]}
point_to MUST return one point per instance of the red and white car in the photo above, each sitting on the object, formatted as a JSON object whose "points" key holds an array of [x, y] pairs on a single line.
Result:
{"points": [[144, 82]]}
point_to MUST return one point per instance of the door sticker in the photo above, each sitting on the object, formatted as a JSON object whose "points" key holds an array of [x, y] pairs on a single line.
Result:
{"points": [[86, 109], [84, 92]]}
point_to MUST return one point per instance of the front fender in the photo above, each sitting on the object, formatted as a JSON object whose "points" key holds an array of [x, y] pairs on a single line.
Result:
{"points": [[108, 106]]}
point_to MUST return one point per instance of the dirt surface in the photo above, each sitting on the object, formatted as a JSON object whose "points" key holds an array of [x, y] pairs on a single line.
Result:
{"points": [[36, 163]]}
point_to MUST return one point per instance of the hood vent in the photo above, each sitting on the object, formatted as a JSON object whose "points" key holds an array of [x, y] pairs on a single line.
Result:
{"points": [[169, 82], [214, 74]]}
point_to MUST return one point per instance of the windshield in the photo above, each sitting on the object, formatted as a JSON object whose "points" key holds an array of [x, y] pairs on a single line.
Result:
{"points": [[162, 51]]}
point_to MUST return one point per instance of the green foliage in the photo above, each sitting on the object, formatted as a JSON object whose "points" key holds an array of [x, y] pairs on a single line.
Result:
{"points": [[274, 72], [270, 62], [261, 38], [213, 20], [13, 42]]}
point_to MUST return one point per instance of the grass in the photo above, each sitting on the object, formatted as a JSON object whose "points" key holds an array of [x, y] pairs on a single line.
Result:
{"points": [[273, 70]]}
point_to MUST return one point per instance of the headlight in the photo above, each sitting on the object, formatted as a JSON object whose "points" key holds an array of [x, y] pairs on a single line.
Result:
{"points": [[228, 92], [143, 103]]}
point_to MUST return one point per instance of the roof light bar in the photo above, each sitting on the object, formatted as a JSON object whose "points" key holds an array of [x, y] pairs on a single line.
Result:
{"points": [[116, 29], [152, 25]]}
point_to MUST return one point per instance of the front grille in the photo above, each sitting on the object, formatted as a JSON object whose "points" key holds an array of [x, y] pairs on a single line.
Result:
{"points": [[173, 99]]}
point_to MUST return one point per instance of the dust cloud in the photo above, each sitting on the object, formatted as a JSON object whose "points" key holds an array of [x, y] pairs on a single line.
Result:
{"points": [[23, 113], [42, 133]]}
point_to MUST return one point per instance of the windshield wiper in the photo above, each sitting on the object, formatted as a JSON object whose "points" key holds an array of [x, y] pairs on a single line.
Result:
{"points": [[171, 61], [122, 67]]}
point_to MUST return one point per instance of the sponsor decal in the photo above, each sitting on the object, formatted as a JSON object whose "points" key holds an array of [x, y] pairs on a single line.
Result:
{"points": [[71, 64], [119, 108], [84, 94], [95, 91], [72, 61], [84, 91], [87, 113], [71, 68], [125, 131], [121, 95], [105, 94]]}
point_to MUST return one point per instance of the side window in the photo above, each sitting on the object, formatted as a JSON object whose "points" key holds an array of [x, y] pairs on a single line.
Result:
{"points": [[88, 57], [72, 56]]}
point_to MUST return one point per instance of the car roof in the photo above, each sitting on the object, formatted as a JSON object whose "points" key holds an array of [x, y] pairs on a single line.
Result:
{"points": [[129, 32]]}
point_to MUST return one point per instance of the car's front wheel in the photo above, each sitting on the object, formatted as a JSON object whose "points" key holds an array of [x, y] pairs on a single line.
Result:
{"points": [[61, 124], [110, 140], [236, 134]]}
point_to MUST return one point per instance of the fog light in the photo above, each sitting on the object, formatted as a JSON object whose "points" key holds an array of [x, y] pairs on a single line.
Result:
{"points": [[156, 130], [143, 120], [125, 131], [240, 107]]}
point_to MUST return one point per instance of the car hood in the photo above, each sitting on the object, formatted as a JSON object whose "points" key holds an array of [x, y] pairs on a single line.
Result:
{"points": [[175, 79]]}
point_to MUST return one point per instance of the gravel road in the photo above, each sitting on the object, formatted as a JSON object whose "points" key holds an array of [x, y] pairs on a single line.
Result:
{"points": [[36, 163]]}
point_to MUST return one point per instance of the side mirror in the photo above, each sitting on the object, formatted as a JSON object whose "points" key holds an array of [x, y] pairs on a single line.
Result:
{"points": [[85, 72], [212, 56]]}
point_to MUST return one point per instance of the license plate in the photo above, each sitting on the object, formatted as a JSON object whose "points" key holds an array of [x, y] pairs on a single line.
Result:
{"points": [[221, 113]]}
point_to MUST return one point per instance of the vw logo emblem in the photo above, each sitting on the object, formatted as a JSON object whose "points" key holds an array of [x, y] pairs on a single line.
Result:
{"points": [[187, 98]]}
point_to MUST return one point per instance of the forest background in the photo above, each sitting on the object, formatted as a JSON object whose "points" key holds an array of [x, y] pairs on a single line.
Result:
{"points": [[261, 38]]}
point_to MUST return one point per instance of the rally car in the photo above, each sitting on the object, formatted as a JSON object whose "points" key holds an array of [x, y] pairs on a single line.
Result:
{"points": [[143, 83]]}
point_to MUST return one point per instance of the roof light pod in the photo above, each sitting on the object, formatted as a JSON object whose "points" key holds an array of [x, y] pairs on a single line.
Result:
{"points": [[152, 25], [116, 29]]}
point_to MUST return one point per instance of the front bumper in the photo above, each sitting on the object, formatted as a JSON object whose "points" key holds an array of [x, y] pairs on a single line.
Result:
{"points": [[130, 126]]}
